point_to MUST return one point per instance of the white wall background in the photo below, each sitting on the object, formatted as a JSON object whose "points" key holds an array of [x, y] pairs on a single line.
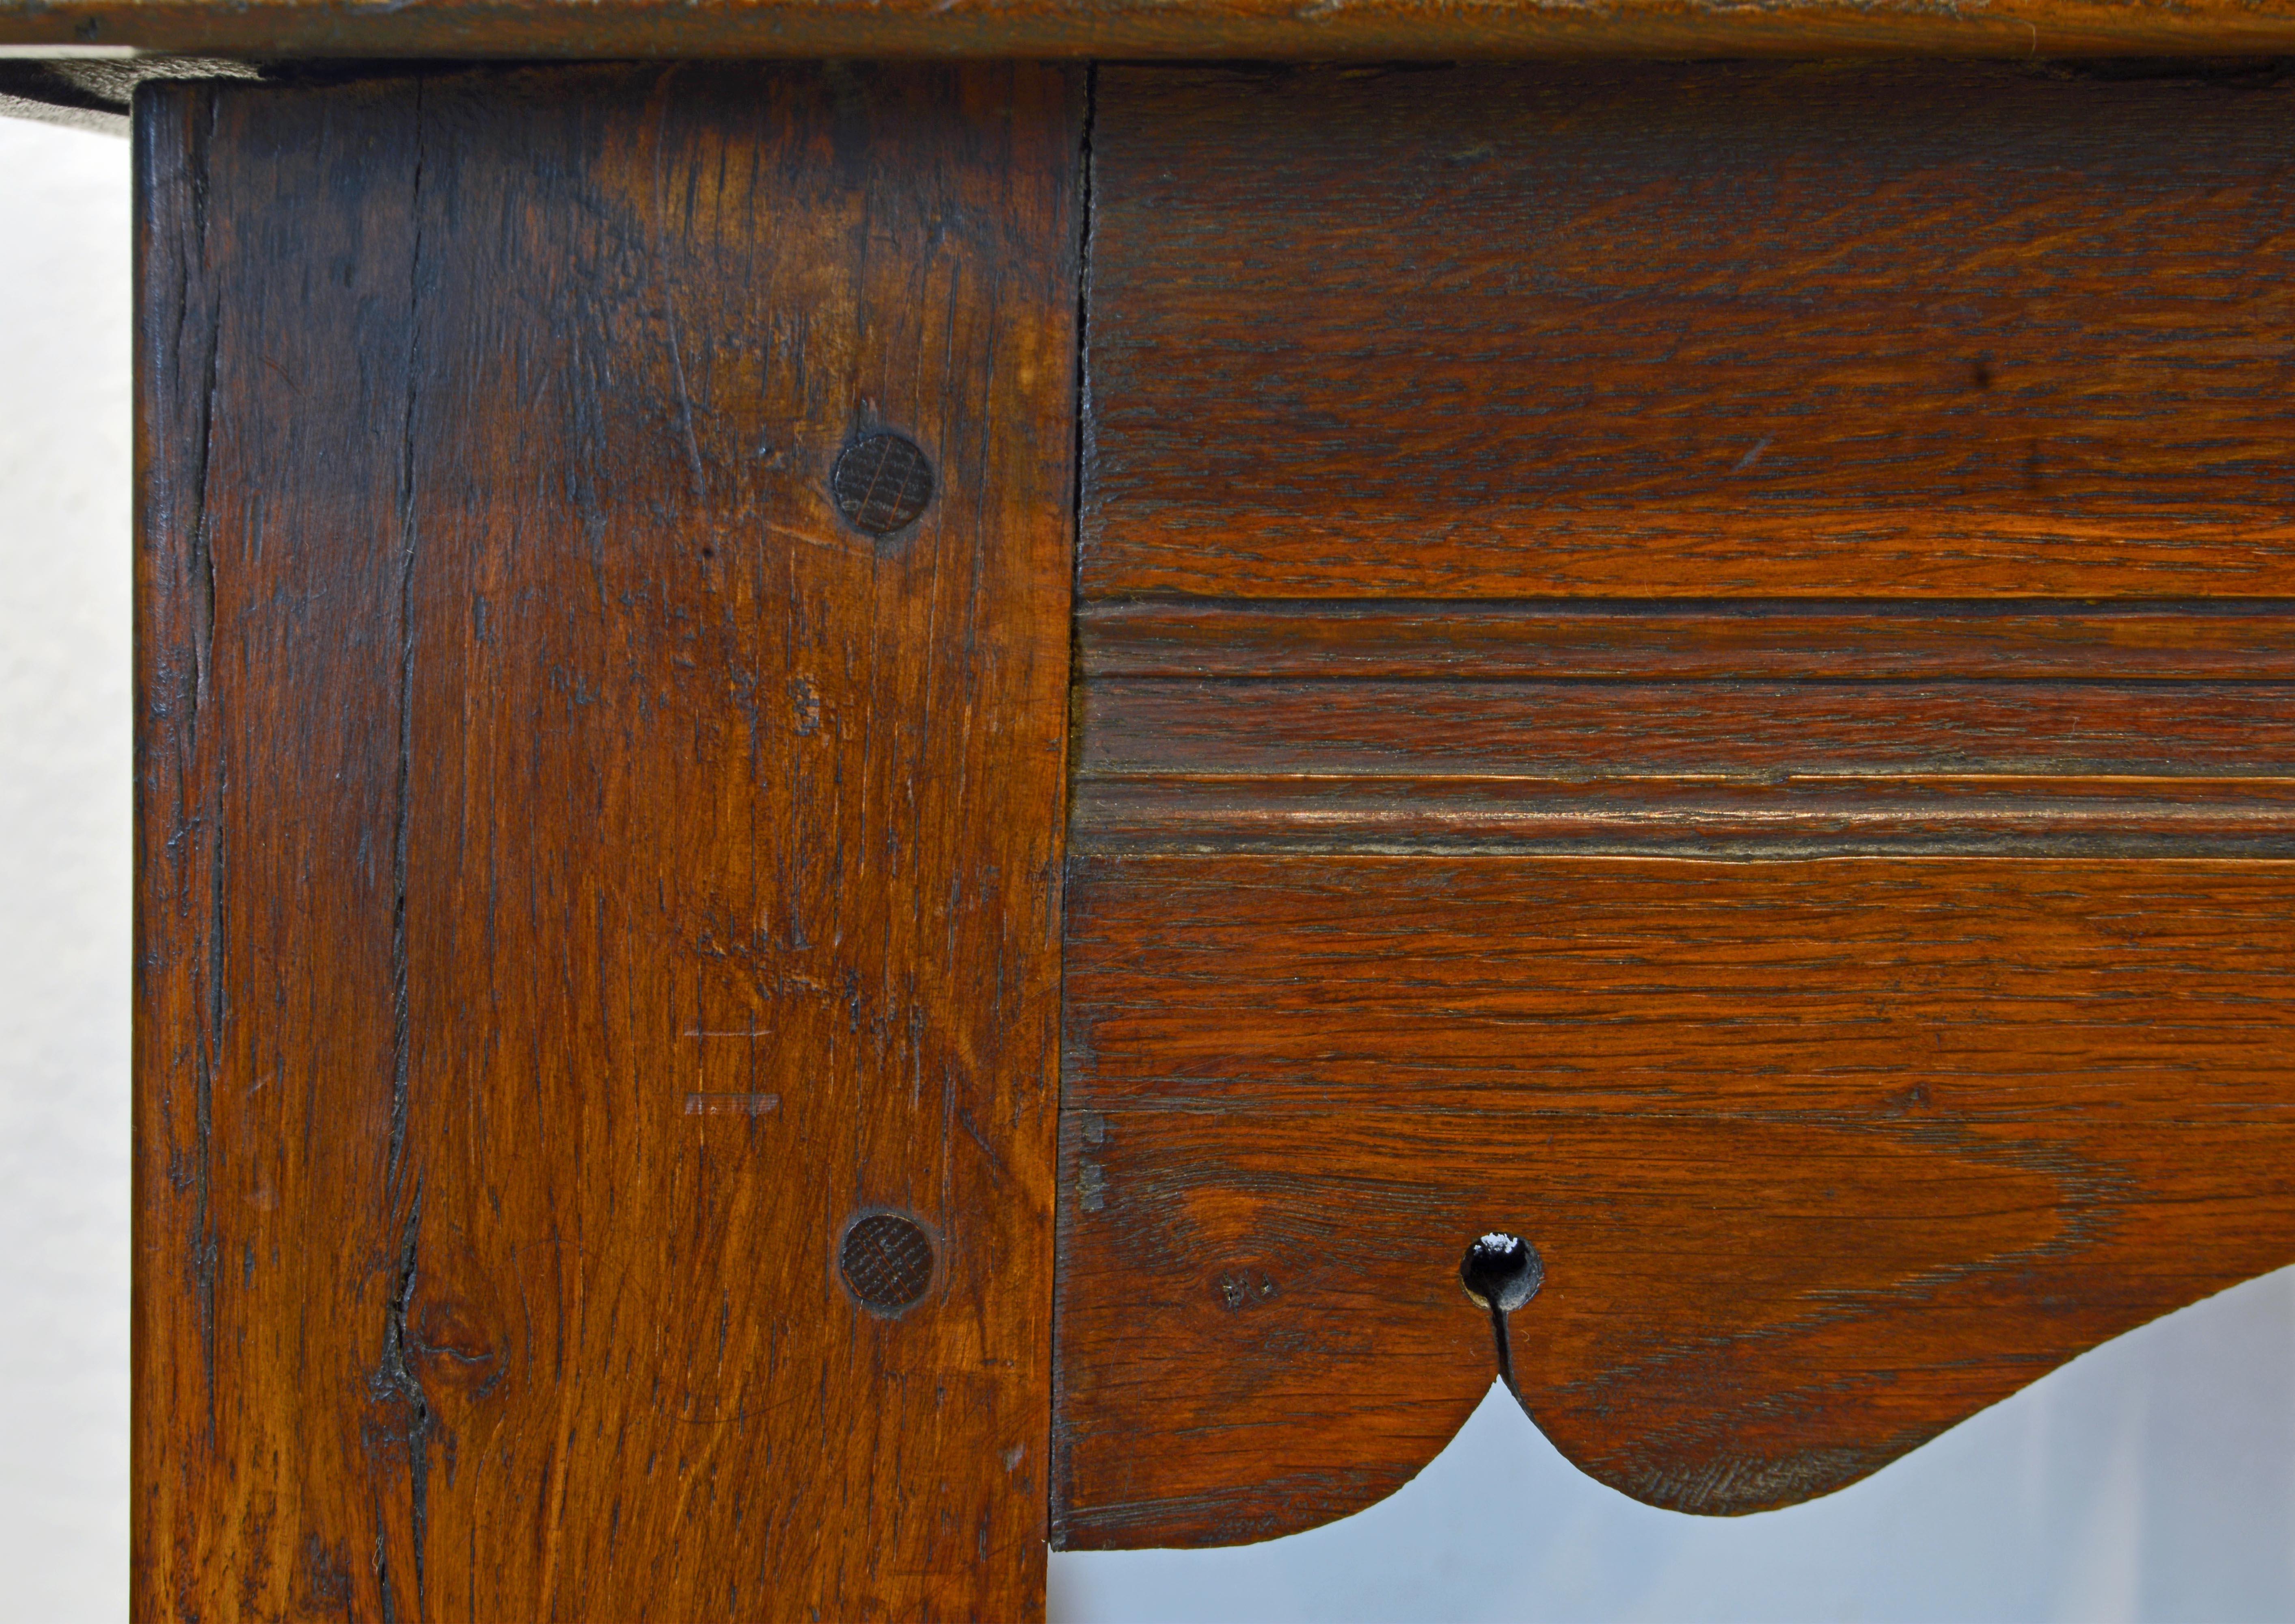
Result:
{"points": [[2153, 1480], [64, 870]]}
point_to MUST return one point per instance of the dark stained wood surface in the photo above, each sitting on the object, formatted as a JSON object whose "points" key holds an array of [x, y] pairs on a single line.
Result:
{"points": [[1706, 729], [1690, 662], [577, 871], [1793, 816], [1821, 1155], [1377, 30], [1775, 728], [1687, 458], [580, 874], [2246, 639], [1706, 330]]}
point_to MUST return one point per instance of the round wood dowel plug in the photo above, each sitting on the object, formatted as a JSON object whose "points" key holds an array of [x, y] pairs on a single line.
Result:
{"points": [[886, 1260], [1502, 1272], [882, 483]]}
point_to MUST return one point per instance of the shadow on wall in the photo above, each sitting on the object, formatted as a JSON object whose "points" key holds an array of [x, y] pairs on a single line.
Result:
{"points": [[2152, 1479]]}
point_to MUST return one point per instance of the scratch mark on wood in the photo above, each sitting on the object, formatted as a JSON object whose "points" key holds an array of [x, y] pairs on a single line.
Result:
{"points": [[730, 1105]]}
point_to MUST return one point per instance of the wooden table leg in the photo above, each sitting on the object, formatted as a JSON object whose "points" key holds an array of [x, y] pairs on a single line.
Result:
{"points": [[593, 854]]}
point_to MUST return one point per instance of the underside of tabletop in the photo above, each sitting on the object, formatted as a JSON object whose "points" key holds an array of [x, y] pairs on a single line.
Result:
{"points": [[1272, 29]]}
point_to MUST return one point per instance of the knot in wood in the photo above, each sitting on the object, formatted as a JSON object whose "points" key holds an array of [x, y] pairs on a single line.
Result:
{"points": [[887, 1261], [881, 483]]}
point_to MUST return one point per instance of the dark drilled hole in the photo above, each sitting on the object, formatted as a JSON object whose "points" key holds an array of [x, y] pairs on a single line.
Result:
{"points": [[881, 482], [1502, 1271], [887, 1260]]}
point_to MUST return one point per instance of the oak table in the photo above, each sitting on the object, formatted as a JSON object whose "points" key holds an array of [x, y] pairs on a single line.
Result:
{"points": [[890, 762]]}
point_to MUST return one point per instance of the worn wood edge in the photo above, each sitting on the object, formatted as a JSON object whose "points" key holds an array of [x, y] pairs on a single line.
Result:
{"points": [[2031, 638], [1808, 815], [1145, 1524], [1247, 1514], [1283, 30]]}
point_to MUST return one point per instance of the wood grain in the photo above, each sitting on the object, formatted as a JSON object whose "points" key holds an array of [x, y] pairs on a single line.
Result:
{"points": [[1689, 662], [1706, 330], [1375, 30], [1793, 816], [1726, 459], [527, 750], [2237, 638], [1821, 1158], [1706, 729]]}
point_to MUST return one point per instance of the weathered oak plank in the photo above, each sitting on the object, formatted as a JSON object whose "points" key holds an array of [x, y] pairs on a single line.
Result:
{"points": [[580, 871]]}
